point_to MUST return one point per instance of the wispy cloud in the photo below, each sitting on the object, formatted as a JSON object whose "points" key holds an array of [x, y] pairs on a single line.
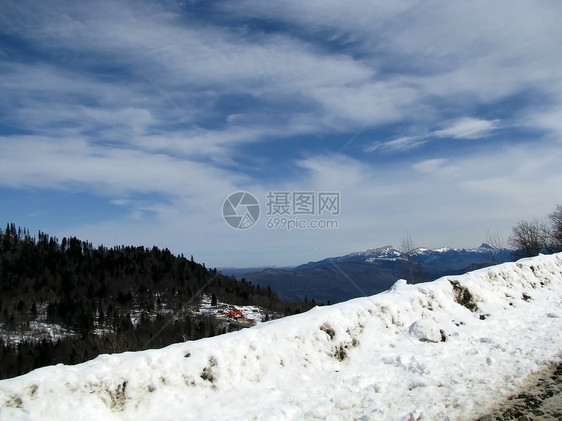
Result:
{"points": [[548, 121], [430, 165], [468, 128], [62, 163], [397, 145], [463, 128]]}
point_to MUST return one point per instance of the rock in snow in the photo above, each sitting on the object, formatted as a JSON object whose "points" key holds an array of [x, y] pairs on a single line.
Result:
{"points": [[447, 349], [426, 330]]}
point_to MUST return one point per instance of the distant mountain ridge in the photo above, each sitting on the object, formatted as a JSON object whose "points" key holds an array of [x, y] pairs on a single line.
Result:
{"points": [[372, 271], [457, 256]]}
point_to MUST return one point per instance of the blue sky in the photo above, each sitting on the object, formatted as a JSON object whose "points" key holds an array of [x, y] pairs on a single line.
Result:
{"points": [[132, 122]]}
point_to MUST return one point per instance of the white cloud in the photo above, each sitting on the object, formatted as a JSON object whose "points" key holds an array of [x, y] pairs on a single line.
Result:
{"points": [[195, 61], [430, 165], [459, 54], [464, 128], [119, 202], [401, 144], [468, 128], [548, 120], [59, 163], [152, 41]]}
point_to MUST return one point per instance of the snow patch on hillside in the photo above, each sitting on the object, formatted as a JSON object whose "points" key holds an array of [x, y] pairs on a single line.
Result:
{"points": [[441, 350]]}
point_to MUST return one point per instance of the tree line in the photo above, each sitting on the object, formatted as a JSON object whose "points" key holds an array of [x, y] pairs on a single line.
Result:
{"points": [[97, 293]]}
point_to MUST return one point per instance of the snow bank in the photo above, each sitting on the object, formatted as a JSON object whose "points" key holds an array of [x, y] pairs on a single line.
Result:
{"points": [[441, 350]]}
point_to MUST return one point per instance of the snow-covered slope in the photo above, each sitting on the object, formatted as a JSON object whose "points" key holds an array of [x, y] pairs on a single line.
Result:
{"points": [[440, 350]]}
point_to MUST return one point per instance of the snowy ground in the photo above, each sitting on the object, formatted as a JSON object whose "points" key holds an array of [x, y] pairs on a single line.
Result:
{"points": [[447, 349], [35, 332]]}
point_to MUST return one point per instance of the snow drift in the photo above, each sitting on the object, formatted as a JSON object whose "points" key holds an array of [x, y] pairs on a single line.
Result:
{"points": [[446, 349]]}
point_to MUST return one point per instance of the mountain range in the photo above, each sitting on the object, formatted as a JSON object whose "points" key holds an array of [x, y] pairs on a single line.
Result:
{"points": [[371, 271]]}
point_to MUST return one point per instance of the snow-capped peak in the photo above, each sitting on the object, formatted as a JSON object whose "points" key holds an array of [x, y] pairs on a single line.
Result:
{"points": [[384, 251]]}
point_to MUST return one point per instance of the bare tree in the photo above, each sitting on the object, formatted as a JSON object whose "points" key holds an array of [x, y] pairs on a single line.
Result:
{"points": [[407, 247], [529, 238], [496, 243], [555, 230]]}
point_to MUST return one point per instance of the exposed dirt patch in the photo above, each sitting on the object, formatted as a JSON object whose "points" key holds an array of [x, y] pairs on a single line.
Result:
{"points": [[463, 296], [539, 399]]}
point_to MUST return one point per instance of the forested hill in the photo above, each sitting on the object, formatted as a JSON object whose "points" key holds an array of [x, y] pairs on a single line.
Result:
{"points": [[46, 269], [111, 299]]}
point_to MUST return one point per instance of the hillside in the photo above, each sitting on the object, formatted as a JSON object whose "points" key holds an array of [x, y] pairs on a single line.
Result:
{"points": [[66, 301], [447, 349]]}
